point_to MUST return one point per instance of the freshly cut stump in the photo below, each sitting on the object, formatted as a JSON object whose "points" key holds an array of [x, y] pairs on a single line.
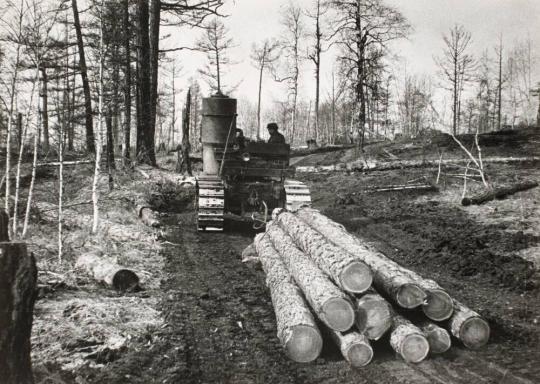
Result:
{"points": [[438, 338], [297, 330], [408, 340], [469, 327], [349, 273], [373, 315], [388, 276], [106, 270], [354, 347], [330, 304]]}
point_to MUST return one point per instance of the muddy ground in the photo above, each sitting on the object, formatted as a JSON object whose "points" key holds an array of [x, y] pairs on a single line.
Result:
{"points": [[219, 325]]}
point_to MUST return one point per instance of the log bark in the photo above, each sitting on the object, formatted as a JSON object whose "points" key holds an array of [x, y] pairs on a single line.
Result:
{"points": [[408, 340], [347, 271], [146, 214], [106, 270], [388, 276], [354, 347], [297, 330], [18, 278], [467, 326], [498, 193], [437, 337], [330, 304], [373, 315]]}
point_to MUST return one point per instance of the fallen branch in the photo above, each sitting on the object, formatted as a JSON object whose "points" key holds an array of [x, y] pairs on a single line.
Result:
{"points": [[498, 193], [416, 187], [64, 163]]}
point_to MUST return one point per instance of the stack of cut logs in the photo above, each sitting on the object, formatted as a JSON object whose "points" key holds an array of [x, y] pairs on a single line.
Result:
{"points": [[311, 261]]}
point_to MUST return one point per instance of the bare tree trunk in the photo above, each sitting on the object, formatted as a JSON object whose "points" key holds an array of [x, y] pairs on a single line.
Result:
{"points": [[110, 150], [45, 110], [155, 17], [89, 124], [126, 156], [186, 146], [259, 100], [499, 84]]}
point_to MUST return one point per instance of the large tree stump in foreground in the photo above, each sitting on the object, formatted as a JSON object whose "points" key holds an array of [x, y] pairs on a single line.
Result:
{"points": [[107, 271], [373, 315], [297, 330], [346, 271], [468, 326], [354, 347], [18, 276], [388, 276], [330, 304], [408, 340]]}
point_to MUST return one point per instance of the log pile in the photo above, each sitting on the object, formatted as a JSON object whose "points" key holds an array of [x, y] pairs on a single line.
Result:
{"points": [[313, 265]]}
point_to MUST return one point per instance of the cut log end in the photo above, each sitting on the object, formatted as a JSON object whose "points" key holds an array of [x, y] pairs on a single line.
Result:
{"points": [[438, 339], [304, 344], [410, 296], [439, 305], [359, 355], [415, 348], [474, 332], [373, 317], [125, 280], [356, 277], [338, 314]]}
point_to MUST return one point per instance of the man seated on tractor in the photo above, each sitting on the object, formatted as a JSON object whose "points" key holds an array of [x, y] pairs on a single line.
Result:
{"points": [[275, 136]]}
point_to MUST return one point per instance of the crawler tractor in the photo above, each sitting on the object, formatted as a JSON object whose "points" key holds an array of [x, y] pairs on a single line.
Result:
{"points": [[241, 183]]}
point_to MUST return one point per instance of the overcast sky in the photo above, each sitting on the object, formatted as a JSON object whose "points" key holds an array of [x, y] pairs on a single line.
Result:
{"points": [[252, 21]]}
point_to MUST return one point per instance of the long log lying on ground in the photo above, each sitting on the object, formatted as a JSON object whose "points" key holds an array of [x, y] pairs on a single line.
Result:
{"points": [[498, 193], [408, 340], [347, 271], [107, 271], [146, 214], [18, 277], [437, 337], [330, 304], [373, 315], [354, 347], [297, 330], [468, 326], [388, 276]]}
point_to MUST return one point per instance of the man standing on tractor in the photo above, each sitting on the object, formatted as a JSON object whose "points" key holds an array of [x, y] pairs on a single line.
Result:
{"points": [[275, 136]]}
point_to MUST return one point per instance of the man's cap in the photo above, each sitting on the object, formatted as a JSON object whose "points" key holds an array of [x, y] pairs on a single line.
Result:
{"points": [[272, 126]]}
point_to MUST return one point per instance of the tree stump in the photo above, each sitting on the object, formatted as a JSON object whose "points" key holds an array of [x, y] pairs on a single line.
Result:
{"points": [[18, 277]]}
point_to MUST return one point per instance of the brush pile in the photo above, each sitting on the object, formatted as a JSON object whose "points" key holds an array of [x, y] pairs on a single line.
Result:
{"points": [[320, 274]]}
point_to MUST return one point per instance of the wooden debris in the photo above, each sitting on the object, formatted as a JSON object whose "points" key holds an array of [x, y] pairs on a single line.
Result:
{"points": [[388, 276], [405, 187], [18, 277], [498, 193], [346, 271], [469, 327], [373, 315], [354, 347], [296, 327], [408, 340], [106, 270], [330, 304]]}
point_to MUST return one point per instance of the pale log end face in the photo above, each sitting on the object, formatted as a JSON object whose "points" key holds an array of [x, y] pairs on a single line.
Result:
{"points": [[356, 277], [414, 348], [125, 280], [410, 296], [305, 344], [439, 340], [439, 305], [474, 332], [359, 355], [374, 319], [338, 314]]}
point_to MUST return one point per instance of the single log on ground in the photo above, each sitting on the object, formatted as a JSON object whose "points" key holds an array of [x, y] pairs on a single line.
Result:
{"points": [[437, 337], [408, 340], [468, 326], [330, 304], [354, 347], [297, 330], [146, 214], [498, 193], [346, 271], [106, 270], [373, 315], [388, 276], [18, 278]]}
